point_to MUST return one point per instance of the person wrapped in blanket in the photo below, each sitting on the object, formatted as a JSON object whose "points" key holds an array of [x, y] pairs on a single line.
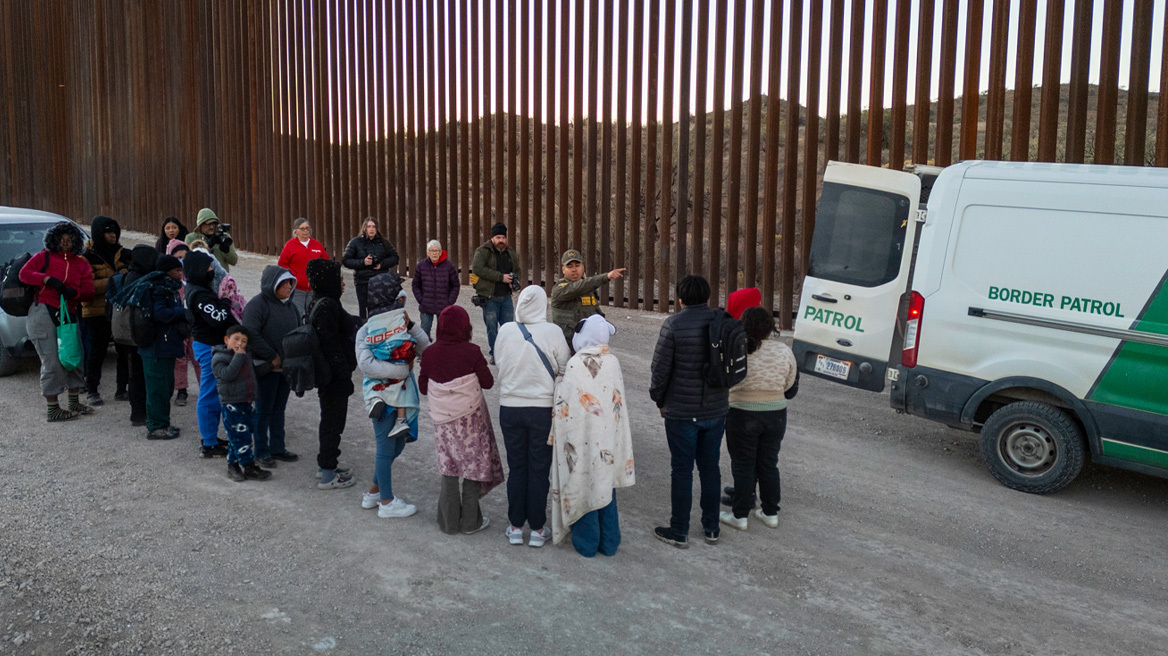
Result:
{"points": [[388, 338]]}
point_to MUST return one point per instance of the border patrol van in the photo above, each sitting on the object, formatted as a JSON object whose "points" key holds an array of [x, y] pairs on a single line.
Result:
{"points": [[1025, 301]]}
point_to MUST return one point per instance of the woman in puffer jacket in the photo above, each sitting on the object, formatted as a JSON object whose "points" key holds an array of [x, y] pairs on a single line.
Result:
{"points": [[368, 254], [59, 273], [435, 283], [107, 257]]}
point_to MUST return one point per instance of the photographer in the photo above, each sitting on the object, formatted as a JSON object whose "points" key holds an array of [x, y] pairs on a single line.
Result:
{"points": [[368, 254], [297, 253], [496, 277], [218, 238]]}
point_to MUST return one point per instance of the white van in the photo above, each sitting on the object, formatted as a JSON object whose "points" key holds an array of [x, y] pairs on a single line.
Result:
{"points": [[1033, 309]]}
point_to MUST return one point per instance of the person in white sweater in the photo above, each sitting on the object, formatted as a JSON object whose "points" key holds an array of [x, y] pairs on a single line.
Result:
{"points": [[757, 421], [530, 354]]}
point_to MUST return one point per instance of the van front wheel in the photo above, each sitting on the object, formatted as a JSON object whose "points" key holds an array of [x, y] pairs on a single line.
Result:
{"points": [[1033, 447]]}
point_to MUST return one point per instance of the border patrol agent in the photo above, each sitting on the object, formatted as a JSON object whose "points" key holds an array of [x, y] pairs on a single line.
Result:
{"points": [[574, 297]]}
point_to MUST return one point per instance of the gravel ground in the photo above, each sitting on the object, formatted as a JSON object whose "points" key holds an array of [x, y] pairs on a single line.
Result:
{"points": [[893, 539]]}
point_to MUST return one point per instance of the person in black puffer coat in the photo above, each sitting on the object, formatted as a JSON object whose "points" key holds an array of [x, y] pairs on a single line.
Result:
{"points": [[694, 412], [336, 330], [142, 262], [368, 254], [435, 284], [210, 318]]}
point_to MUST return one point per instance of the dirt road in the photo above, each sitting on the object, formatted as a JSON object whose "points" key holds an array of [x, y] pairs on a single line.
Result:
{"points": [[893, 540]]}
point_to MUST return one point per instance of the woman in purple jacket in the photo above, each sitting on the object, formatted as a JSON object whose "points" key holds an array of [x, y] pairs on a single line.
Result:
{"points": [[435, 283]]}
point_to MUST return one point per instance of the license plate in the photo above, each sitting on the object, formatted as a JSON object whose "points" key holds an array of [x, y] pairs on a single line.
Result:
{"points": [[832, 367]]}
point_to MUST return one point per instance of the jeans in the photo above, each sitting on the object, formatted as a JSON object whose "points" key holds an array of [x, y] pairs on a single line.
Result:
{"points": [[388, 450], [690, 441], [497, 311], [427, 322], [753, 440], [271, 401], [96, 334], [334, 408], [239, 419], [597, 531], [159, 378], [207, 409], [529, 459]]}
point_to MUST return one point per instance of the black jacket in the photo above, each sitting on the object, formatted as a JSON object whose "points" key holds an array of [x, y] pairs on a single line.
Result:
{"points": [[678, 384], [210, 315], [267, 318], [361, 246], [335, 328]]}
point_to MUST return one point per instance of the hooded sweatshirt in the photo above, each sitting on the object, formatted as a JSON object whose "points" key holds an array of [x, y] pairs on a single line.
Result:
{"points": [[210, 315], [524, 382], [235, 374], [224, 254], [453, 355], [106, 260], [334, 326], [267, 318], [68, 267]]}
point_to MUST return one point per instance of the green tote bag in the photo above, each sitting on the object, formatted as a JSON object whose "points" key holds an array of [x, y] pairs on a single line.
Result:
{"points": [[69, 349]]}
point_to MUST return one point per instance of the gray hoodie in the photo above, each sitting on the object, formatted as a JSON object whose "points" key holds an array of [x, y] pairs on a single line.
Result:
{"points": [[236, 374], [267, 318]]}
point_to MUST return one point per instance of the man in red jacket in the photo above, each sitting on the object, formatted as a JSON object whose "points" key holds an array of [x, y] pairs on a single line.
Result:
{"points": [[59, 273]]}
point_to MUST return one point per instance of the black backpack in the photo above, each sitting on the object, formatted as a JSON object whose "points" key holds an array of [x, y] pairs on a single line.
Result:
{"points": [[130, 325], [303, 363], [727, 364], [17, 298]]}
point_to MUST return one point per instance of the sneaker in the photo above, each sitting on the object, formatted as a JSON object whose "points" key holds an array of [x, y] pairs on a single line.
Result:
{"points": [[370, 500], [174, 430], [287, 456], [395, 508], [94, 399], [338, 482], [216, 451], [772, 521], [712, 536], [160, 434], [538, 538], [665, 534], [267, 462], [378, 410], [728, 501], [122, 395], [254, 472], [514, 535], [728, 518], [222, 442], [491, 360], [180, 399], [235, 473], [137, 423], [485, 524], [728, 491], [399, 429], [340, 471]]}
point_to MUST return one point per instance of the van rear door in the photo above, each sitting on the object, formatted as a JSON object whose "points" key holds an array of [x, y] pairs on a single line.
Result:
{"points": [[860, 265]]}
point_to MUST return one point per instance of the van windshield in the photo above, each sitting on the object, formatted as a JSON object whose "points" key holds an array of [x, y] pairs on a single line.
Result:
{"points": [[859, 235]]}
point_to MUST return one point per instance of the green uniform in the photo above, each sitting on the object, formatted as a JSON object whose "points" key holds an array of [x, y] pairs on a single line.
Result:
{"points": [[573, 301]]}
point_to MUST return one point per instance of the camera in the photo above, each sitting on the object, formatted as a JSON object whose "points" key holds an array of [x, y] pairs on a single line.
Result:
{"points": [[375, 261], [478, 301], [223, 229], [514, 285]]}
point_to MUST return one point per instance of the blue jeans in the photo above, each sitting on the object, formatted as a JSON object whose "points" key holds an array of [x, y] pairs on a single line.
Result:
{"points": [[427, 323], [690, 441], [239, 418], [271, 400], [497, 311], [597, 531], [388, 450], [207, 409]]}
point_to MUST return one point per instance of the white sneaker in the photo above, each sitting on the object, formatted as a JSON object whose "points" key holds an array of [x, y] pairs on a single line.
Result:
{"points": [[728, 518], [340, 471], [772, 521], [486, 523], [370, 500], [514, 535], [396, 508], [399, 429], [538, 538]]}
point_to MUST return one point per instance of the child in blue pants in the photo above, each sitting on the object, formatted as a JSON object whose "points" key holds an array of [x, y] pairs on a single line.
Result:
{"points": [[235, 376]]}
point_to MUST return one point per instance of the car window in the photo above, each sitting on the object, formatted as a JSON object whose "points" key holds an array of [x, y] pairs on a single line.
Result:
{"points": [[19, 238], [859, 235]]}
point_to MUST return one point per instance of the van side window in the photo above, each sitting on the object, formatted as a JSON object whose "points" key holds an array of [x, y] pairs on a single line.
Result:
{"points": [[859, 235]]}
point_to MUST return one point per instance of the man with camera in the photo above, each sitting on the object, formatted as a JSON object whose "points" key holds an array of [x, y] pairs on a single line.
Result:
{"points": [[495, 276], [218, 237]]}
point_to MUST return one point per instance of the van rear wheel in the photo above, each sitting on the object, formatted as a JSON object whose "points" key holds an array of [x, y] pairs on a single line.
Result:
{"points": [[1033, 447]]}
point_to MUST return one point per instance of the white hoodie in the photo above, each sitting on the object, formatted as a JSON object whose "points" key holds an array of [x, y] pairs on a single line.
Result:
{"points": [[523, 380]]}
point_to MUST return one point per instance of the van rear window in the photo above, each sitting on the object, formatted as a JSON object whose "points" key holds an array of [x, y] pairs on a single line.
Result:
{"points": [[859, 235]]}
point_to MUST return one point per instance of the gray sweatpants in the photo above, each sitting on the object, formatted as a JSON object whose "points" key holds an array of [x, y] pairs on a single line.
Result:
{"points": [[43, 334]]}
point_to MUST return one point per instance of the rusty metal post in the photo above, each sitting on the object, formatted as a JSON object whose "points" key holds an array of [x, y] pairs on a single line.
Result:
{"points": [[770, 211], [750, 243], [1108, 97], [511, 141], [734, 211], [896, 141], [855, 90], [605, 218], [1137, 94], [875, 153], [664, 240], [635, 195], [683, 202], [651, 158], [521, 112], [565, 144], [949, 15], [702, 47], [922, 97], [538, 258], [1161, 158], [1048, 111], [588, 245], [810, 146], [1023, 80], [970, 96], [1080, 67], [622, 152], [835, 66], [549, 170], [578, 145], [996, 96], [717, 165], [790, 169]]}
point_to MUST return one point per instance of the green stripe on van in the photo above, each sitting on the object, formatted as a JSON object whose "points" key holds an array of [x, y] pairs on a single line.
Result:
{"points": [[1138, 375], [1135, 453]]}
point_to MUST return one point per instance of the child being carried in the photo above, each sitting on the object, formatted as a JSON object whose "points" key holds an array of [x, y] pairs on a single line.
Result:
{"points": [[388, 337]]}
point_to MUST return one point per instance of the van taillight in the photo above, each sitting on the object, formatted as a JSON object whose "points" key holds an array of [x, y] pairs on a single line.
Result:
{"points": [[912, 330]]}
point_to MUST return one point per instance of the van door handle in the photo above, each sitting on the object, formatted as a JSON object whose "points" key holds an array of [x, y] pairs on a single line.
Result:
{"points": [[824, 298]]}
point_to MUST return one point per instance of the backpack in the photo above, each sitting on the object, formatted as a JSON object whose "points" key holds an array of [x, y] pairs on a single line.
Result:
{"points": [[303, 363], [727, 364], [17, 298], [130, 325]]}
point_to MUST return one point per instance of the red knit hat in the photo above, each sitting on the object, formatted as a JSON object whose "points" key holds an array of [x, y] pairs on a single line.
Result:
{"points": [[742, 300]]}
